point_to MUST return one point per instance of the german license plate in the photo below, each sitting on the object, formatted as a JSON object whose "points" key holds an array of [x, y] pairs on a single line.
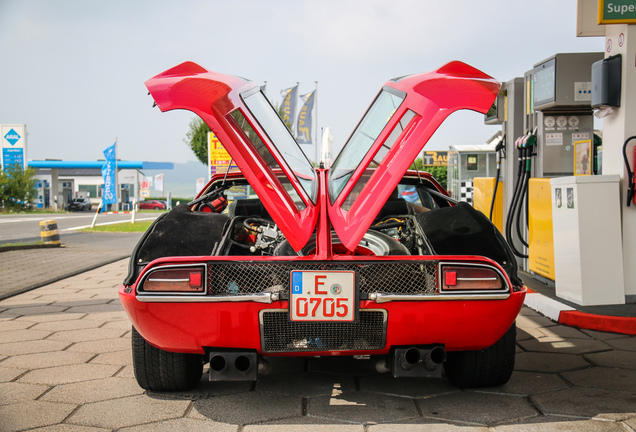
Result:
{"points": [[323, 296]]}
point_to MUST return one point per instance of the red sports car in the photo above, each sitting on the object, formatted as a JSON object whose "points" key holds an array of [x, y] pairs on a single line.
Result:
{"points": [[323, 261], [152, 205]]}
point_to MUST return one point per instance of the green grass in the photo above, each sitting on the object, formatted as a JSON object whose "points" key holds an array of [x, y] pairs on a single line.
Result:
{"points": [[39, 242], [121, 227], [30, 211]]}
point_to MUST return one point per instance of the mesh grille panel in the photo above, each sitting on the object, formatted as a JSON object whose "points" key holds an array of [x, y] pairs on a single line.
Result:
{"points": [[279, 334], [238, 278]]}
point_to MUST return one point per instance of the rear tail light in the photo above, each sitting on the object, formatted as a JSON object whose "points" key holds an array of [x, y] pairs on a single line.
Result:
{"points": [[185, 280], [460, 278]]}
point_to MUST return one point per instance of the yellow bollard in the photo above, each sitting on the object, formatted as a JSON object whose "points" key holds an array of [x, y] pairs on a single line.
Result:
{"points": [[49, 233]]}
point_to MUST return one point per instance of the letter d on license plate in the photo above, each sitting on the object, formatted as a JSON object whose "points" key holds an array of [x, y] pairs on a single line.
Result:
{"points": [[323, 296]]}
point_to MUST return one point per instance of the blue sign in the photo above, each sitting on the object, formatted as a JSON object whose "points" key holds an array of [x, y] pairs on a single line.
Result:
{"points": [[303, 124], [12, 136], [109, 171], [12, 156], [290, 96], [297, 283]]}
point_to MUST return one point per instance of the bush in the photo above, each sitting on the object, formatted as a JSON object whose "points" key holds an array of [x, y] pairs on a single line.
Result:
{"points": [[17, 187], [439, 172], [176, 200]]}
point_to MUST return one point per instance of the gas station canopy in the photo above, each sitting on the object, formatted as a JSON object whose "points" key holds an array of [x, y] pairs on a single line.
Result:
{"points": [[58, 164]]}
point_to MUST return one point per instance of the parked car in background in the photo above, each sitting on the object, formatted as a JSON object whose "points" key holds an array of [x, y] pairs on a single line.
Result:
{"points": [[80, 204], [152, 205], [362, 259]]}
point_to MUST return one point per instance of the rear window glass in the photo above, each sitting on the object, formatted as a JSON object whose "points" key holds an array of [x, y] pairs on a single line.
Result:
{"points": [[285, 143], [362, 139], [262, 149]]}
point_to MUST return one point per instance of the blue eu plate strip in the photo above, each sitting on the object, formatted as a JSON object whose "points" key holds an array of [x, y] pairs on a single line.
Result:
{"points": [[297, 283]]}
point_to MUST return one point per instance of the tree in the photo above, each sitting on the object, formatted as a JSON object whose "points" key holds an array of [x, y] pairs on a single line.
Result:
{"points": [[197, 139], [440, 173], [17, 187]]}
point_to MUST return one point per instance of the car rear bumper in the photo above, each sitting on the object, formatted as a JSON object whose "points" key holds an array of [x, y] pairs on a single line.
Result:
{"points": [[193, 327]]}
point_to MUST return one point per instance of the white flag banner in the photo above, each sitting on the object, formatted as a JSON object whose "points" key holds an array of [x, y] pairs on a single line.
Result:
{"points": [[200, 184], [159, 182]]}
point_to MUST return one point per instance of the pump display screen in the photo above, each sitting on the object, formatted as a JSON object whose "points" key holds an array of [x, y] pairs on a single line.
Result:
{"points": [[544, 83], [492, 113]]}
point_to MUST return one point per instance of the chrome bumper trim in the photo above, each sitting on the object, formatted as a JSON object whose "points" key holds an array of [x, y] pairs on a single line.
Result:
{"points": [[257, 298], [385, 298]]}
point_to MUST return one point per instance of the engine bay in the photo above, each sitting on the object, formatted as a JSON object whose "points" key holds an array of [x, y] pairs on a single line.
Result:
{"points": [[393, 235], [250, 231]]}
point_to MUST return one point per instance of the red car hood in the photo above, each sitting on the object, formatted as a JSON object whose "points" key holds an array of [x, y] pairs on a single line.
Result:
{"points": [[390, 136]]}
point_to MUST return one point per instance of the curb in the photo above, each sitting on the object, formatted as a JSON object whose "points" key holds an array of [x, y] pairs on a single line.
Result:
{"points": [[29, 246], [567, 315]]}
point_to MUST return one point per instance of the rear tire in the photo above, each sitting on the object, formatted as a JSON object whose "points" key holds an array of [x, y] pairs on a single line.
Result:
{"points": [[160, 370], [489, 367]]}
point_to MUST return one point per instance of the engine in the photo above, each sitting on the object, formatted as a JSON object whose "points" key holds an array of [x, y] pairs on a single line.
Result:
{"points": [[395, 235]]}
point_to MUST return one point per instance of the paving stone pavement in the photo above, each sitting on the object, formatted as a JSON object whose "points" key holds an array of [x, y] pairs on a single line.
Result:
{"points": [[65, 365], [23, 270]]}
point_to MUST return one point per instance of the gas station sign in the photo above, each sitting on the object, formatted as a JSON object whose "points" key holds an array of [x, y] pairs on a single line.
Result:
{"points": [[616, 12], [435, 158], [13, 138], [218, 158]]}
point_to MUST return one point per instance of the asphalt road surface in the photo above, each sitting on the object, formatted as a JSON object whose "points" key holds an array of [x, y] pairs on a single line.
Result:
{"points": [[26, 227]]}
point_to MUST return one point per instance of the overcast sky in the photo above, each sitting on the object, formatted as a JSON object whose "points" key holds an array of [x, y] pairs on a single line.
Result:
{"points": [[73, 70]]}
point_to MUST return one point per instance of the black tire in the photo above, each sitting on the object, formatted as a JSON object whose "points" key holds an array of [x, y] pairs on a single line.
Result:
{"points": [[159, 370], [157, 208], [489, 367]]}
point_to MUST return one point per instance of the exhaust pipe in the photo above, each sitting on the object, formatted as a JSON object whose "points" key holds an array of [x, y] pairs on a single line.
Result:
{"points": [[218, 364], [416, 362], [233, 365], [242, 364], [410, 358], [435, 357]]}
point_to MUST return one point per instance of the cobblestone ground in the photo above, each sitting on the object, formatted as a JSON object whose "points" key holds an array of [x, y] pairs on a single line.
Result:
{"points": [[65, 365]]}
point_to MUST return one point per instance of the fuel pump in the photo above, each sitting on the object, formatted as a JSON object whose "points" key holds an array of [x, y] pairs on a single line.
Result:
{"points": [[559, 98], [507, 111]]}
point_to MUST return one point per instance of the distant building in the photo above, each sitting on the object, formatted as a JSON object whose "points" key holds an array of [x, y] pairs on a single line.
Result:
{"points": [[58, 182], [84, 183]]}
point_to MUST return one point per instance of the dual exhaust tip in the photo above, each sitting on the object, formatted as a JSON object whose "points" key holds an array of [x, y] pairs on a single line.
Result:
{"points": [[416, 361], [403, 362], [233, 366]]}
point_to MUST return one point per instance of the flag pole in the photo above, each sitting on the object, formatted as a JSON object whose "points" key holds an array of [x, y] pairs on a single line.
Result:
{"points": [[293, 115], [117, 192], [316, 124]]}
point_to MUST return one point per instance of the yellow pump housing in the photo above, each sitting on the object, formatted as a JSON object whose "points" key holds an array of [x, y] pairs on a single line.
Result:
{"points": [[483, 189], [541, 239]]}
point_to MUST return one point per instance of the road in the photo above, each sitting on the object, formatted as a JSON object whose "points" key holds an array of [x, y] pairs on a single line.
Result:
{"points": [[26, 227]]}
